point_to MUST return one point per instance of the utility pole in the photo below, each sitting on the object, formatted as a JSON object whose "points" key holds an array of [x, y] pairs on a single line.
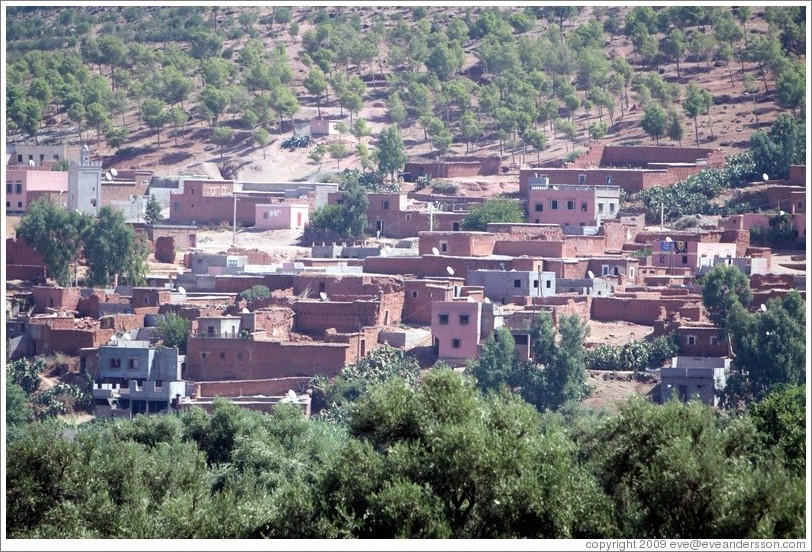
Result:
{"points": [[662, 215], [234, 227], [431, 216]]}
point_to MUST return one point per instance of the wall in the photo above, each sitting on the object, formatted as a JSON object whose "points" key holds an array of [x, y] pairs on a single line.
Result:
{"points": [[247, 359], [18, 252], [32, 182], [418, 297], [526, 232], [281, 216], [267, 387], [315, 317], [59, 298], [185, 237], [457, 244], [467, 334], [640, 310], [452, 168]]}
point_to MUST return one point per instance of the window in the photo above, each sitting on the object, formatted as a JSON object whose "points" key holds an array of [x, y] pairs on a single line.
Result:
{"points": [[662, 259], [444, 319], [690, 339], [158, 383], [714, 340], [20, 204], [231, 263], [583, 207], [92, 202], [455, 343], [56, 157], [322, 286], [444, 246], [386, 204], [600, 207], [611, 207], [203, 355], [18, 188], [41, 158], [132, 363], [19, 159], [570, 205], [239, 356], [581, 224], [517, 283], [609, 179], [464, 319], [115, 363], [581, 179], [192, 191], [535, 284], [455, 226], [631, 272], [30, 156], [685, 259], [408, 217], [222, 355], [414, 294], [9, 187], [604, 270], [539, 207], [615, 271], [554, 204], [548, 284], [177, 205], [8, 205], [265, 214]]}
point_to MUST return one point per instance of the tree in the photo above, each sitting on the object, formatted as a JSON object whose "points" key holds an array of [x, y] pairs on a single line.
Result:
{"points": [[492, 210], [317, 154], [470, 128], [567, 129], [115, 136], [55, 234], [360, 128], [214, 101], [701, 47], [222, 136], [673, 126], [284, 103], [497, 361], [98, 117], [597, 131], [791, 87], [538, 140], [338, 151], [347, 221], [751, 87], [654, 121], [153, 213], [261, 138], [113, 249], [390, 154], [697, 102], [783, 146], [27, 115], [178, 117], [172, 86], [674, 47], [397, 111], [723, 287], [316, 83], [174, 330], [113, 51], [564, 376], [154, 115]]}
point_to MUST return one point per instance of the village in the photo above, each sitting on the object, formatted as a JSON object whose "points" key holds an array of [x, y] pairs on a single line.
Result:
{"points": [[418, 282]]}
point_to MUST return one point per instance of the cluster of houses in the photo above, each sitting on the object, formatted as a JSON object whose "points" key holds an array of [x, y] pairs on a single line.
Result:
{"points": [[433, 289]]}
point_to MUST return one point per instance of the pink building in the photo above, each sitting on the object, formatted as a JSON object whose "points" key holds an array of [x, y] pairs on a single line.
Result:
{"points": [[571, 205], [323, 126], [24, 185], [455, 327], [281, 216], [751, 220], [680, 254]]}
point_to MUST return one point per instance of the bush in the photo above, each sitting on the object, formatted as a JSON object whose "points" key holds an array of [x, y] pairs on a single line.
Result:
{"points": [[688, 221], [633, 356], [573, 155], [256, 292], [447, 188], [493, 210]]}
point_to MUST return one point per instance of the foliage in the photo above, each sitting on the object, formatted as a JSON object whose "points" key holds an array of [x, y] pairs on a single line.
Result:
{"points": [[152, 212], [573, 155], [442, 187], [497, 361], [780, 418], [347, 221], [633, 356], [56, 234], [255, 292], [112, 248], [723, 287], [783, 146], [492, 210], [174, 330], [25, 373], [17, 410], [390, 154]]}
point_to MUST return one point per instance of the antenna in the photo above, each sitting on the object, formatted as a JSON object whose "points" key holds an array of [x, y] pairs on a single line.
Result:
{"points": [[590, 273], [449, 270], [435, 250], [763, 307], [182, 290], [323, 296], [114, 172]]}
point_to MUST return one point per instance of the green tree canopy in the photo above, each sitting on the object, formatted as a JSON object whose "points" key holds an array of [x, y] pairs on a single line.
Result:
{"points": [[390, 154], [112, 248], [492, 210]]}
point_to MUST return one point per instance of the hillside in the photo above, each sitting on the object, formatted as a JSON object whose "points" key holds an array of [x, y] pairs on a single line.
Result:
{"points": [[459, 73]]}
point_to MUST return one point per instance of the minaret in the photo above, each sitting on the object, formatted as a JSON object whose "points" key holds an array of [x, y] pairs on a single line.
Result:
{"points": [[84, 184]]}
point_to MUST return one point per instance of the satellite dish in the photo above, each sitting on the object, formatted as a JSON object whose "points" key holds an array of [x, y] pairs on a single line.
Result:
{"points": [[182, 290], [435, 250], [114, 172], [126, 337], [179, 270], [108, 176], [291, 393], [782, 213], [245, 310], [488, 301], [765, 176], [30, 162], [590, 273], [388, 248], [450, 270], [323, 296], [470, 299], [763, 307], [383, 253]]}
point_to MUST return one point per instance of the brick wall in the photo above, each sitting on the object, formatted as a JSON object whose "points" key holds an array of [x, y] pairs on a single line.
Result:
{"points": [[644, 310], [55, 297], [418, 296], [460, 244], [454, 168], [526, 232], [315, 317], [517, 248], [247, 359], [267, 387], [149, 297], [394, 265], [19, 253]]}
